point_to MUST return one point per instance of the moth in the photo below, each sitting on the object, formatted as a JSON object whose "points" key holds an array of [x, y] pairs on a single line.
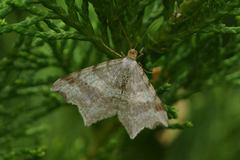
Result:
{"points": [[119, 87]]}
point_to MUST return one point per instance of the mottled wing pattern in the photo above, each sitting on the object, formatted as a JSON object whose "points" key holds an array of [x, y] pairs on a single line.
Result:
{"points": [[91, 90], [144, 108]]}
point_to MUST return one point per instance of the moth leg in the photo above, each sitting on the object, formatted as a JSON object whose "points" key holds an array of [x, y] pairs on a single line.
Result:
{"points": [[141, 53], [144, 69]]}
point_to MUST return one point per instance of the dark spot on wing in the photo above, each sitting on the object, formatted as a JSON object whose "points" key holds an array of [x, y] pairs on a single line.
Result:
{"points": [[69, 78], [93, 93], [94, 67], [108, 63], [159, 107]]}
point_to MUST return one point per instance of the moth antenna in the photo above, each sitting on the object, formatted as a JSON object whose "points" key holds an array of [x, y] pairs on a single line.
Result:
{"points": [[124, 32], [145, 34], [110, 49]]}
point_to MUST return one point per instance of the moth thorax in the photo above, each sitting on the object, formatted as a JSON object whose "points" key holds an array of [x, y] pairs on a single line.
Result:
{"points": [[132, 54]]}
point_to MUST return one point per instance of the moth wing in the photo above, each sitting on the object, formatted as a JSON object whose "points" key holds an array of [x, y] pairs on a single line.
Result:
{"points": [[91, 89], [144, 108]]}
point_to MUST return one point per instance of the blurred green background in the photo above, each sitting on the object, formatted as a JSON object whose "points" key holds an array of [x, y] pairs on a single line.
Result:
{"points": [[59, 133]]}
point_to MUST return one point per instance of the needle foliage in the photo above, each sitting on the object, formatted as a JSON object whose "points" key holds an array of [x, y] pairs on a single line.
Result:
{"points": [[196, 43]]}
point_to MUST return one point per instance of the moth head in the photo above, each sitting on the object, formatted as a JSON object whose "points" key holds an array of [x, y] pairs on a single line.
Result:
{"points": [[132, 54]]}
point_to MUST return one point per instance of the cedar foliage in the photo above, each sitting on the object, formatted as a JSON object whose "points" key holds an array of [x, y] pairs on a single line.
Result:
{"points": [[50, 39]]}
